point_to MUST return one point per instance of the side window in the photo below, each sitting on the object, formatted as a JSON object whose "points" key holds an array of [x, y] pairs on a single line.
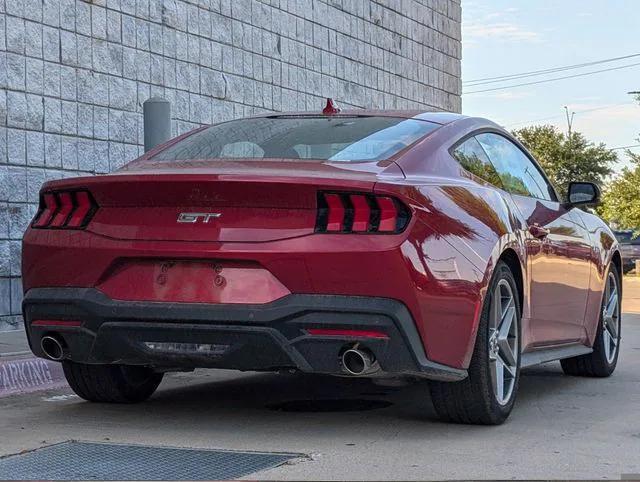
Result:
{"points": [[518, 174], [472, 157]]}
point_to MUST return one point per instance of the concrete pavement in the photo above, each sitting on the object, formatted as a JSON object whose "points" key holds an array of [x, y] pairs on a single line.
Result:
{"points": [[13, 344], [562, 427], [631, 294]]}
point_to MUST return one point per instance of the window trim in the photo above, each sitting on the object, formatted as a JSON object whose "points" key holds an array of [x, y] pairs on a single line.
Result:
{"points": [[518, 144]]}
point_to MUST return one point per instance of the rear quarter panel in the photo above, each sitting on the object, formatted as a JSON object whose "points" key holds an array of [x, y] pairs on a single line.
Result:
{"points": [[604, 246], [460, 231]]}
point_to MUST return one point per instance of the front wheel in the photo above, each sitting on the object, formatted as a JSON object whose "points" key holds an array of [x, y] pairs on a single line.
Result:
{"points": [[111, 383], [487, 395], [602, 361]]}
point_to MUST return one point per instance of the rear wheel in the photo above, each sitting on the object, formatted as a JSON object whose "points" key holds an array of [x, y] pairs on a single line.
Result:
{"points": [[487, 395], [111, 383], [602, 361]]}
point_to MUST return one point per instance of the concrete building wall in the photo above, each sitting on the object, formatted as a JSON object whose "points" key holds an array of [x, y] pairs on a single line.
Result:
{"points": [[74, 75]]}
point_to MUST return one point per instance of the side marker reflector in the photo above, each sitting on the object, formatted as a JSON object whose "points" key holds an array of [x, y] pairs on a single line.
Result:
{"points": [[72, 323]]}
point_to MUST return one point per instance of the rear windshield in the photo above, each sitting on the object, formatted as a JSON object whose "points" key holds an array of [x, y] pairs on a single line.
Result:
{"points": [[339, 139]]}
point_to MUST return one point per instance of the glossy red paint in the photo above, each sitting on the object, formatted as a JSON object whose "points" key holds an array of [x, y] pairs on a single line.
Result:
{"points": [[438, 267], [179, 281]]}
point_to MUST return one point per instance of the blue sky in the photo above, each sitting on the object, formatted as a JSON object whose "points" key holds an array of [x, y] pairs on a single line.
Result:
{"points": [[503, 37]]}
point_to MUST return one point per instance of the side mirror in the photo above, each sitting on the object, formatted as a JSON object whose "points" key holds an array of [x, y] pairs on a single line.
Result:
{"points": [[583, 194]]}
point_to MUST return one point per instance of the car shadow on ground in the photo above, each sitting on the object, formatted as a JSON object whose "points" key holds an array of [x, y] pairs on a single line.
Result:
{"points": [[302, 401]]}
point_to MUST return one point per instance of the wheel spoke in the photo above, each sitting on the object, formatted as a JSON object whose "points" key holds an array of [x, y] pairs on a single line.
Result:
{"points": [[496, 309], [612, 304], [510, 369], [504, 333], [506, 352], [606, 338], [612, 328], [507, 321], [499, 370]]}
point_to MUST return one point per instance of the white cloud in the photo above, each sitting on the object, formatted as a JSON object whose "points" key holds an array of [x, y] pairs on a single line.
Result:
{"points": [[615, 125], [481, 21], [507, 95], [616, 114], [498, 30]]}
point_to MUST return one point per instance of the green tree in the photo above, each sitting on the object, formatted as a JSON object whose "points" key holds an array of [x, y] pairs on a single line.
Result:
{"points": [[621, 200], [565, 160]]}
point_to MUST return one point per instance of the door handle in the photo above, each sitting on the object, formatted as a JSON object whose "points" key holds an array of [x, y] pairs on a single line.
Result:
{"points": [[538, 232]]}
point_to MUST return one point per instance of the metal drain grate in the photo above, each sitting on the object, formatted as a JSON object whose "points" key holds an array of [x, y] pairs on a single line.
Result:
{"points": [[100, 461]]}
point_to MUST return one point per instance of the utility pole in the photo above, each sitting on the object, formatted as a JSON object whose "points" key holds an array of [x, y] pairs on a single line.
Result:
{"points": [[569, 126]]}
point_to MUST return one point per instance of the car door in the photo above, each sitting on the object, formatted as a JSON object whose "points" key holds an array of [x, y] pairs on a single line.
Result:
{"points": [[556, 243]]}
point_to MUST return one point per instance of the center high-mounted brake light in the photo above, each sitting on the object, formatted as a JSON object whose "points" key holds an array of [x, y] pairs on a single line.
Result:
{"points": [[65, 210], [341, 212]]}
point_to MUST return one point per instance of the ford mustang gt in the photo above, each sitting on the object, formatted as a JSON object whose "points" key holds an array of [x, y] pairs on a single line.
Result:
{"points": [[393, 244]]}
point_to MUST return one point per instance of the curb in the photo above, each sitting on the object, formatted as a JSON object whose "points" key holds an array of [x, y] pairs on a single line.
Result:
{"points": [[27, 374]]}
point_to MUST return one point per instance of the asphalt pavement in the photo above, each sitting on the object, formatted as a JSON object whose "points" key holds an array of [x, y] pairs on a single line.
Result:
{"points": [[561, 427]]}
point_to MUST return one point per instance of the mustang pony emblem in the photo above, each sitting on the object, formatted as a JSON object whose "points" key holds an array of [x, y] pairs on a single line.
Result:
{"points": [[194, 217]]}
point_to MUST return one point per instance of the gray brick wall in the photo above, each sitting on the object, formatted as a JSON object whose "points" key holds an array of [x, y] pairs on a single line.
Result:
{"points": [[74, 75]]}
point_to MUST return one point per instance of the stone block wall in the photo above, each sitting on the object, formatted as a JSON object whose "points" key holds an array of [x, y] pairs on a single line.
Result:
{"points": [[74, 75]]}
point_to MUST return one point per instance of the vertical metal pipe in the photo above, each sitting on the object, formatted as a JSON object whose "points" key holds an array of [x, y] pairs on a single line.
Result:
{"points": [[157, 122]]}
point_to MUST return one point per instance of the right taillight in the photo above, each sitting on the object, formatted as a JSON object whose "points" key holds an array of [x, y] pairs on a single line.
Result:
{"points": [[71, 209], [343, 212]]}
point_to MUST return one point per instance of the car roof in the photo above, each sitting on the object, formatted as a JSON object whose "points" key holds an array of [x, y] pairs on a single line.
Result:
{"points": [[437, 117]]}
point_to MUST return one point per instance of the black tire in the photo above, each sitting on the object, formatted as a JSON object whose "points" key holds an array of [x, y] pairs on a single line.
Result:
{"points": [[473, 400], [111, 383], [595, 364]]}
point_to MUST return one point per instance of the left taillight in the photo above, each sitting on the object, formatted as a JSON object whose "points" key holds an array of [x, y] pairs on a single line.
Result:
{"points": [[360, 213], [68, 209]]}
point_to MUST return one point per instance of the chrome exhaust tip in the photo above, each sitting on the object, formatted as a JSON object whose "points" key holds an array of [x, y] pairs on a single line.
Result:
{"points": [[53, 347], [359, 362]]}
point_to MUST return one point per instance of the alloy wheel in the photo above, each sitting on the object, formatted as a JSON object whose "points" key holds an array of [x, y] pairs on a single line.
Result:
{"points": [[611, 318], [503, 341]]}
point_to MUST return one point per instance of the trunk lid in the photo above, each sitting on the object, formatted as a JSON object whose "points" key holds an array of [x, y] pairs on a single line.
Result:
{"points": [[250, 201]]}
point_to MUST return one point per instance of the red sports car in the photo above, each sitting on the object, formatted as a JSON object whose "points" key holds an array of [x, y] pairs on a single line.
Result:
{"points": [[355, 243]]}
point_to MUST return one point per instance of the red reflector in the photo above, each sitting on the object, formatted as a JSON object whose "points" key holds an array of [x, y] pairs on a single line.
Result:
{"points": [[66, 206], [347, 333], [361, 213], [336, 212], [388, 214], [83, 206], [50, 207], [56, 323]]}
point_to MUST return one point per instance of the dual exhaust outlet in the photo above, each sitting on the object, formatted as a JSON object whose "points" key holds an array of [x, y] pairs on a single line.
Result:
{"points": [[53, 347], [358, 361]]}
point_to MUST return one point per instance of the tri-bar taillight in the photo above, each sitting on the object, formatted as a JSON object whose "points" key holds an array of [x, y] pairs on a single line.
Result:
{"points": [[68, 209], [345, 212]]}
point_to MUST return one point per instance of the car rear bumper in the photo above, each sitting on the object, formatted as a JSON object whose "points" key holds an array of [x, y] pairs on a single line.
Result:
{"points": [[270, 336]]}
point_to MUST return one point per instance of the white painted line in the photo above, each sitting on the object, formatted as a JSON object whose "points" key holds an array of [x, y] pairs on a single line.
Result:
{"points": [[25, 375]]}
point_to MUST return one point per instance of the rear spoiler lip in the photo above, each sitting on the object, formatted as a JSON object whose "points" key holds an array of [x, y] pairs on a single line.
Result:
{"points": [[389, 170]]}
